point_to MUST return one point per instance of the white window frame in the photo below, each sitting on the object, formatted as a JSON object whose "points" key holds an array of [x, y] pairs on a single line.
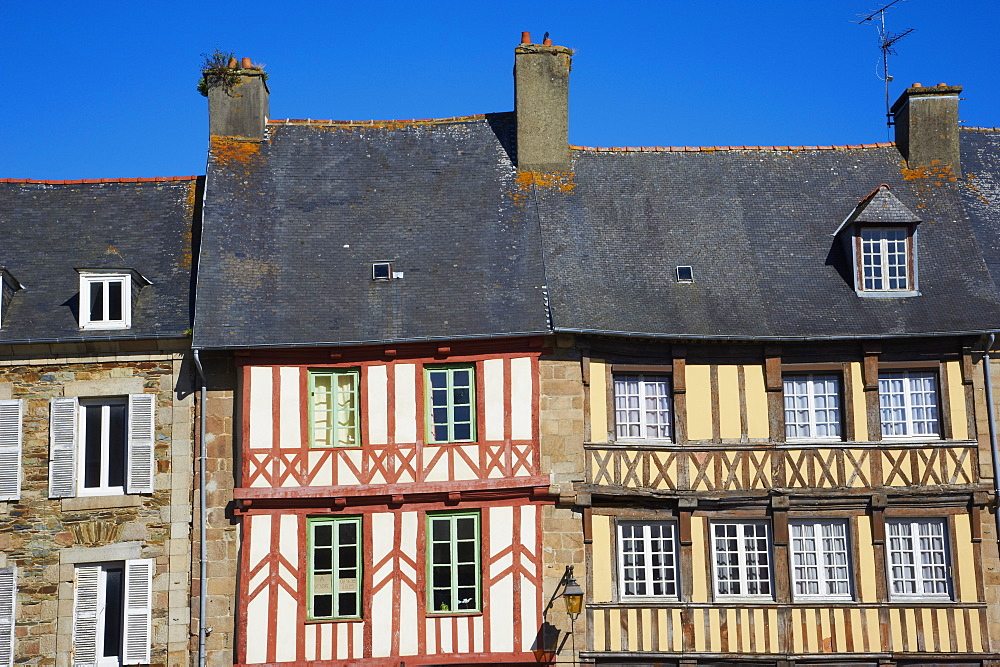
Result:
{"points": [[909, 404], [745, 560], [904, 542], [8, 615], [11, 444], [820, 558], [89, 613], [67, 441], [878, 260], [103, 488], [90, 281], [632, 411], [646, 571], [811, 409]]}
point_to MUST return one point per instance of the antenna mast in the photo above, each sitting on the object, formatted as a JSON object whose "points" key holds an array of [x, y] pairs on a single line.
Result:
{"points": [[886, 40]]}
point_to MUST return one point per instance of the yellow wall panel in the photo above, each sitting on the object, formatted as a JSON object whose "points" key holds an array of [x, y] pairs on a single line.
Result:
{"points": [[601, 554], [600, 640], [945, 644], [866, 554], [961, 644], [772, 630], [874, 636], [896, 630], [699, 586], [632, 623], [812, 623], [678, 624], [956, 396], [825, 638], [965, 559], [756, 397], [698, 618], [699, 401], [977, 635], [858, 399], [758, 630], [730, 427], [857, 630], [647, 629], [798, 641], [615, 636], [714, 626], [911, 629], [598, 401]]}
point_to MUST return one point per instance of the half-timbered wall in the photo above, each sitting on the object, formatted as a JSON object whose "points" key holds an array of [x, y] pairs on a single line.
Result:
{"points": [[394, 620], [393, 448]]}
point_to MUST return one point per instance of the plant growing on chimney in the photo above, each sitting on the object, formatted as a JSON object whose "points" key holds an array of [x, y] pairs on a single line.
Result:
{"points": [[221, 67]]}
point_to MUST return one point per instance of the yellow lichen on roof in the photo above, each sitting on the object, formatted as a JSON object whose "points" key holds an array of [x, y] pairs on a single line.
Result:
{"points": [[554, 180], [189, 203], [228, 151]]}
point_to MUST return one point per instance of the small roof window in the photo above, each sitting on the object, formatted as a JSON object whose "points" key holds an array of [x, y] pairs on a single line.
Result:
{"points": [[382, 271], [685, 274]]}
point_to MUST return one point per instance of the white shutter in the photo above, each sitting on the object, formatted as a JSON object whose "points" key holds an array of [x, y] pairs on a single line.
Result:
{"points": [[63, 434], [138, 610], [141, 440], [8, 600], [11, 420], [85, 615]]}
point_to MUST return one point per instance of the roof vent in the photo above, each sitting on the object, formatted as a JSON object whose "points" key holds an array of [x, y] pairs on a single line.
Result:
{"points": [[685, 274]]}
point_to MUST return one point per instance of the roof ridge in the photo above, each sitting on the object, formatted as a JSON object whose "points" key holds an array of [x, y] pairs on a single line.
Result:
{"points": [[375, 123], [153, 179], [978, 129], [711, 149]]}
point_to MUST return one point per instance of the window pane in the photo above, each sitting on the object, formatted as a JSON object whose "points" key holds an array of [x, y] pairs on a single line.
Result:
{"points": [[92, 448], [643, 407], [453, 555], [96, 301], [334, 567], [116, 445], [115, 299]]}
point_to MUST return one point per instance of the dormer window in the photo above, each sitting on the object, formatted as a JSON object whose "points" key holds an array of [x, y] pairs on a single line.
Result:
{"points": [[885, 259], [8, 285], [106, 298], [878, 237]]}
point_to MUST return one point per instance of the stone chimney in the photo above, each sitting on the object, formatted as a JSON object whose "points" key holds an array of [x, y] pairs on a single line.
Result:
{"points": [[926, 121], [541, 104], [237, 101]]}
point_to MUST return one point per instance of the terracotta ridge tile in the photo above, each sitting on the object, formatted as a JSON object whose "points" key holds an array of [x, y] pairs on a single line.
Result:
{"points": [[403, 121], [696, 149], [87, 181]]}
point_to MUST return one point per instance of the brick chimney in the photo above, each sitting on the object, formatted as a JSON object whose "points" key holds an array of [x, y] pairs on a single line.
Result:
{"points": [[926, 121], [541, 104], [237, 101]]}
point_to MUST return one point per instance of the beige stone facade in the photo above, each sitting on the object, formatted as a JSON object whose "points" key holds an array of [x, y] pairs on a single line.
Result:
{"points": [[47, 538]]}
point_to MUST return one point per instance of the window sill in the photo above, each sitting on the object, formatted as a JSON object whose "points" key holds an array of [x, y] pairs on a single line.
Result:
{"points": [[450, 614], [316, 621], [105, 327], [99, 502], [886, 294]]}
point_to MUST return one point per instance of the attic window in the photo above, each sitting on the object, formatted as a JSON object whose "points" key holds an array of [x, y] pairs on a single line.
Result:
{"points": [[885, 259], [382, 271], [685, 274], [106, 298]]}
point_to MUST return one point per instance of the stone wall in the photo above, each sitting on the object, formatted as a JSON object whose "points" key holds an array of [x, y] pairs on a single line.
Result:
{"points": [[45, 538]]}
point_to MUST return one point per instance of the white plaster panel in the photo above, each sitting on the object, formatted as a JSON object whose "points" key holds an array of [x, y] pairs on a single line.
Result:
{"points": [[261, 421], [477, 628], [439, 472], [529, 514], [311, 631], [359, 640], [493, 388], [345, 475], [260, 538], [257, 461], [322, 474], [378, 405], [257, 622], [290, 414], [286, 618], [462, 468], [501, 523], [501, 615], [408, 620], [326, 649], [521, 417], [406, 403], [462, 634], [447, 641], [342, 630], [430, 624]]}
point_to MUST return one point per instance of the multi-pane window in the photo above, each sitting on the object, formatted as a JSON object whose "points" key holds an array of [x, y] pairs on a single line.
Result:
{"points": [[334, 568], [451, 404], [885, 259], [103, 456], [105, 300], [642, 407], [647, 559], [333, 408], [819, 559], [112, 613], [909, 404], [918, 558], [453, 562], [742, 553], [812, 407]]}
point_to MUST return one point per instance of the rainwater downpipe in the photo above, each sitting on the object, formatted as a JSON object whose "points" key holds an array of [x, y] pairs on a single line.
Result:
{"points": [[987, 379], [203, 514]]}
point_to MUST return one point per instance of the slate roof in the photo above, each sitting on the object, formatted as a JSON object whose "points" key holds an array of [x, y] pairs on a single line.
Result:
{"points": [[757, 227], [293, 224], [980, 150], [52, 228]]}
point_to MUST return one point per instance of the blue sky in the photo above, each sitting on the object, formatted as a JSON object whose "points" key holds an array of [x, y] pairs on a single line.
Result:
{"points": [[107, 89]]}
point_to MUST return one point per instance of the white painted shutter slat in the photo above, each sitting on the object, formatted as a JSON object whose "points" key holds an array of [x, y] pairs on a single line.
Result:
{"points": [[63, 434], [85, 615], [141, 442], [8, 606], [11, 423], [138, 610]]}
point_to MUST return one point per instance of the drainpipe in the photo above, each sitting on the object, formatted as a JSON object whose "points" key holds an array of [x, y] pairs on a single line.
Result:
{"points": [[991, 419], [203, 514]]}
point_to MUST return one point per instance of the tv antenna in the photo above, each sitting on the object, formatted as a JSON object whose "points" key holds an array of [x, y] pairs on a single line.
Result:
{"points": [[886, 41]]}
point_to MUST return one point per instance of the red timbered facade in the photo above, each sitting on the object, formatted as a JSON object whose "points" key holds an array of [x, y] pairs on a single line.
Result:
{"points": [[391, 505]]}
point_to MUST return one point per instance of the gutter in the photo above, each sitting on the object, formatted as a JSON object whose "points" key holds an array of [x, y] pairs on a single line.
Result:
{"points": [[991, 420], [202, 513]]}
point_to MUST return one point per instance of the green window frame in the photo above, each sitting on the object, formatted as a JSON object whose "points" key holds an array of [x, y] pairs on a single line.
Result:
{"points": [[334, 408], [454, 583], [334, 571], [451, 403]]}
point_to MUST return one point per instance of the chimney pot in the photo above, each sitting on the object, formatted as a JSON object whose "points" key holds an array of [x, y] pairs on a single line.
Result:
{"points": [[526, 37], [547, 42], [247, 64], [942, 84], [233, 63], [917, 85]]}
